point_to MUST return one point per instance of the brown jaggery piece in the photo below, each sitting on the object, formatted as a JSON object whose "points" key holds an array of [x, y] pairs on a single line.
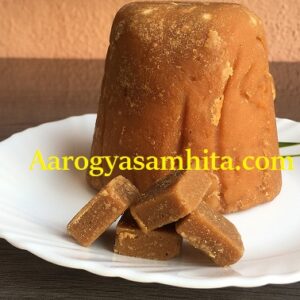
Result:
{"points": [[161, 244], [170, 199], [102, 210], [213, 234], [190, 75]]}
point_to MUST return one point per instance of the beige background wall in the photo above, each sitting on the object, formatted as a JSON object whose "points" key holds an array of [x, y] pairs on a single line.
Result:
{"points": [[80, 28], [53, 51]]}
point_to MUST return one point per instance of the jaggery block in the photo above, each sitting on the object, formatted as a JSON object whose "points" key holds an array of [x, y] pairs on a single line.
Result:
{"points": [[189, 75], [161, 244], [213, 234], [170, 199], [102, 210]]}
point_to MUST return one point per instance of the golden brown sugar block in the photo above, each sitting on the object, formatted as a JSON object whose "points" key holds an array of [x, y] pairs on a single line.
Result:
{"points": [[190, 75], [213, 234], [161, 244], [170, 199], [102, 210]]}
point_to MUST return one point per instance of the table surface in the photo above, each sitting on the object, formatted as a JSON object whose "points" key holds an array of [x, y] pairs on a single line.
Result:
{"points": [[24, 275]]}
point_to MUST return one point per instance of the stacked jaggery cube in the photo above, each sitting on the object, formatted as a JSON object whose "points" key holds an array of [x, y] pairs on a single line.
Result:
{"points": [[153, 223]]}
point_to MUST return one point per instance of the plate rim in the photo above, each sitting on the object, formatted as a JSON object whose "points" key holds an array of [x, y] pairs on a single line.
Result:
{"points": [[242, 281]]}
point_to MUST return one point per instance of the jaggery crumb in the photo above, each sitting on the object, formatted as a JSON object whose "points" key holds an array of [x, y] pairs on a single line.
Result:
{"points": [[216, 110], [227, 72], [213, 40], [206, 16]]}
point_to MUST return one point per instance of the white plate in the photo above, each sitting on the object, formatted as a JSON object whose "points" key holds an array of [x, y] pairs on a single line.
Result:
{"points": [[35, 207]]}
